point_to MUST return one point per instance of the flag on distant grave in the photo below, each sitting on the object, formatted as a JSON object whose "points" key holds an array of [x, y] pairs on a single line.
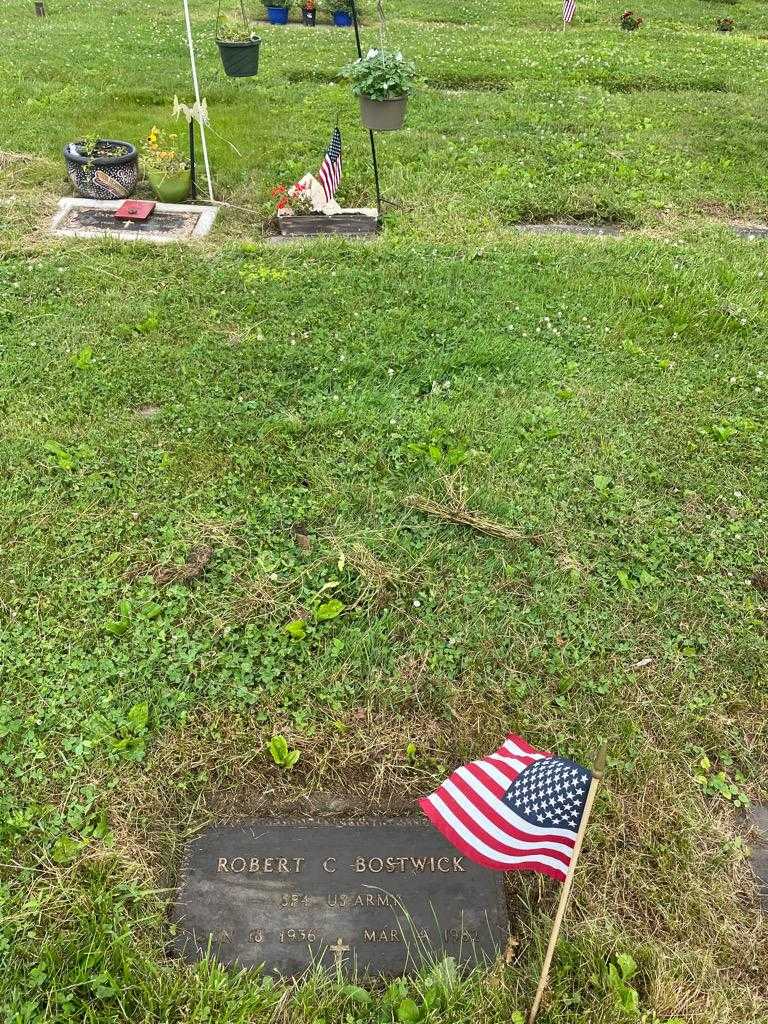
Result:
{"points": [[569, 9], [517, 809], [329, 174]]}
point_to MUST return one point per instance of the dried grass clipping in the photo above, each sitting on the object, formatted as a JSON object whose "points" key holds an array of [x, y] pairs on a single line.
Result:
{"points": [[455, 511]]}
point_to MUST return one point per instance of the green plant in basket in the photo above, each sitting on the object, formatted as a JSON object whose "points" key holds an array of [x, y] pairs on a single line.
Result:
{"points": [[381, 75], [382, 80], [232, 29]]}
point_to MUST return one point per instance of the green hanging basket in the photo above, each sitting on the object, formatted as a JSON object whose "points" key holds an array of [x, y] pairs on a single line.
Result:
{"points": [[240, 60]]}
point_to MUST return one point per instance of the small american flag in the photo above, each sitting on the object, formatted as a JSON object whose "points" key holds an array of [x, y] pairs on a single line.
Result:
{"points": [[330, 173], [519, 809], [569, 9]]}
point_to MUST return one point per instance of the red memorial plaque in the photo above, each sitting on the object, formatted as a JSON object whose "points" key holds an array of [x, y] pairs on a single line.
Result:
{"points": [[135, 209]]}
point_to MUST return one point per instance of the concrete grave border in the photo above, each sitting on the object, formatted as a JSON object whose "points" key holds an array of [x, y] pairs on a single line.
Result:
{"points": [[207, 216]]}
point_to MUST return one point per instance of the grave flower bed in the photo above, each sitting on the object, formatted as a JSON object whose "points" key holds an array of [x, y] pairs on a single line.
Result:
{"points": [[302, 210]]}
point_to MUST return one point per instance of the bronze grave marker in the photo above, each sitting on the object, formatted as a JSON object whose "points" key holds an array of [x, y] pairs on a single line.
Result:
{"points": [[377, 898]]}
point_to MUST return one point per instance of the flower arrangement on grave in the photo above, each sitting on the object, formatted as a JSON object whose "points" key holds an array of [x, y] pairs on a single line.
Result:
{"points": [[382, 80], [238, 46], [630, 21], [295, 201], [725, 24], [340, 12], [166, 167]]}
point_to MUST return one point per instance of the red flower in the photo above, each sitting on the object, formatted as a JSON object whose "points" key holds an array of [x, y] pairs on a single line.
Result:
{"points": [[282, 204], [278, 190]]}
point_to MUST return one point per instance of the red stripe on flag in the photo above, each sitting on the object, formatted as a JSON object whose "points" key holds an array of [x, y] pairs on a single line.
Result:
{"points": [[520, 742], [497, 819], [476, 828], [490, 783], [453, 837]]}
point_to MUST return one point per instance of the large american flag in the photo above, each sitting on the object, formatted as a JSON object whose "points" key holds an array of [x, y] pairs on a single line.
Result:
{"points": [[330, 173], [519, 809], [569, 9]]}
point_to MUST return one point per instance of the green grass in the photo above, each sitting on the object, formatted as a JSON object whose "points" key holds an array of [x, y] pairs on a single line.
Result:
{"points": [[604, 398]]}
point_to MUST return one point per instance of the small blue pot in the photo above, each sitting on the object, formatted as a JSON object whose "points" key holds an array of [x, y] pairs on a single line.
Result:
{"points": [[341, 19], [277, 15]]}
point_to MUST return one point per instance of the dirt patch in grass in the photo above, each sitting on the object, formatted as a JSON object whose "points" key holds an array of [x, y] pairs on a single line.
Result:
{"points": [[191, 569], [7, 158], [217, 769], [596, 218], [467, 83], [148, 412], [655, 83]]}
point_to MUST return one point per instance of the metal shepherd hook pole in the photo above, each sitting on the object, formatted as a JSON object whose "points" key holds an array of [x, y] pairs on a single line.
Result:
{"points": [[370, 133], [193, 63], [597, 775]]}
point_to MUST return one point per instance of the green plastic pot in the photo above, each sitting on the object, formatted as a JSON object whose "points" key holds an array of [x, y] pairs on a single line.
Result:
{"points": [[170, 188], [240, 60]]}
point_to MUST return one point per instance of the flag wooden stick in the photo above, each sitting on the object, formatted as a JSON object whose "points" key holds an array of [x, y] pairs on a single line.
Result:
{"points": [[597, 775]]}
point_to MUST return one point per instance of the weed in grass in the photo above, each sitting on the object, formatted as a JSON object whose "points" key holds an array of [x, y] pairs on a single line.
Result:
{"points": [[282, 755]]}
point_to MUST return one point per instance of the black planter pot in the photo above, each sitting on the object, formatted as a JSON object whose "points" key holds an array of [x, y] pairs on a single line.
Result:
{"points": [[240, 60], [103, 177], [308, 18]]}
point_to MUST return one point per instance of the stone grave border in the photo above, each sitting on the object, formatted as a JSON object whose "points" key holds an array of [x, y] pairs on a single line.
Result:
{"points": [[206, 217], [565, 228]]}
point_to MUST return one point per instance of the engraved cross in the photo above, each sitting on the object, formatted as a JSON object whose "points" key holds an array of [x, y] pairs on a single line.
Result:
{"points": [[339, 949]]}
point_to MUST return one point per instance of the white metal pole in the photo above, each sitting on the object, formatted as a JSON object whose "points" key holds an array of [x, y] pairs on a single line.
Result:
{"points": [[191, 45]]}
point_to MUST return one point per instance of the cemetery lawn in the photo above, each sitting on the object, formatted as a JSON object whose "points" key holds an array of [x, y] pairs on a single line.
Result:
{"points": [[202, 446]]}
